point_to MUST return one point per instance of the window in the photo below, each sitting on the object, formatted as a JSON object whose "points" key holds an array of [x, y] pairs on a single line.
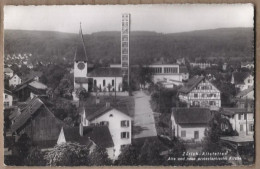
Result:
{"points": [[95, 82], [125, 135], [6, 104], [196, 95], [104, 82], [6, 96], [212, 103], [245, 116], [249, 81], [203, 95], [251, 127], [111, 115], [196, 134], [113, 81], [239, 117], [104, 123], [241, 127], [183, 133], [125, 123]]}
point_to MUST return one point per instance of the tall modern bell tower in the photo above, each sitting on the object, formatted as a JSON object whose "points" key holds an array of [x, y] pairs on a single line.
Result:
{"points": [[125, 46]]}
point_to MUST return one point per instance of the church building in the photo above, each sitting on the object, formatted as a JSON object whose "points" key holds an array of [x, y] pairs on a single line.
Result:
{"points": [[103, 79]]}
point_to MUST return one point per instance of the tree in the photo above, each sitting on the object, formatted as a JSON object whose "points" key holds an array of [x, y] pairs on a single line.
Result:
{"points": [[150, 154], [35, 158], [68, 154], [128, 156], [99, 157]]}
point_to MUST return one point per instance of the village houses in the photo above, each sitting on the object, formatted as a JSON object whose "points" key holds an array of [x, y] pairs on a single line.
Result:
{"points": [[242, 80], [15, 80], [199, 92]]}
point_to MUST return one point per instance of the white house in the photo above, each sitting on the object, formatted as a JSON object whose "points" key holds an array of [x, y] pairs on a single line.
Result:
{"points": [[240, 119], [190, 124], [246, 94], [117, 120], [8, 98], [248, 65], [8, 72], [242, 80], [15, 80], [90, 136], [199, 92], [200, 65]]}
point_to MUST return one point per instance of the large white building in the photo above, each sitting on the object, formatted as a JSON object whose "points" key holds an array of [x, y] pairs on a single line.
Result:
{"points": [[199, 92], [117, 120]]}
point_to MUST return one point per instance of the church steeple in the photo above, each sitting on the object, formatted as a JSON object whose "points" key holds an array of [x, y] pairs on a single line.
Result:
{"points": [[81, 53]]}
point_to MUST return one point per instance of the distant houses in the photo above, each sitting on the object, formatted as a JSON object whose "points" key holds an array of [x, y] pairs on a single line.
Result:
{"points": [[242, 80], [248, 65], [199, 92], [190, 124], [201, 65], [116, 117], [8, 98]]}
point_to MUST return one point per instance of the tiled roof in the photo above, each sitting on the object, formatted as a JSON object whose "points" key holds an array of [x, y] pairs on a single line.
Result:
{"points": [[232, 111], [7, 92], [193, 82], [44, 144], [27, 113], [244, 92], [81, 80], [100, 135], [8, 70], [38, 85], [239, 77], [106, 72], [183, 69], [194, 115], [96, 111]]}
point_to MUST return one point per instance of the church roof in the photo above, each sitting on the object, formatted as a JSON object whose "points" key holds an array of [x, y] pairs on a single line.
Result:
{"points": [[81, 53], [106, 72]]}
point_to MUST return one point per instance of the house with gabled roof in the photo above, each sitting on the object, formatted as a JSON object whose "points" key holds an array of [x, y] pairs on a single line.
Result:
{"points": [[242, 80], [15, 80], [200, 92], [39, 123], [116, 117], [246, 94], [190, 124], [8, 72], [30, 89], [90, 136]]}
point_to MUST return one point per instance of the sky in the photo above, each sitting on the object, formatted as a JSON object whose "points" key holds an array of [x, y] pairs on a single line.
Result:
{"points": [[158, 18]]}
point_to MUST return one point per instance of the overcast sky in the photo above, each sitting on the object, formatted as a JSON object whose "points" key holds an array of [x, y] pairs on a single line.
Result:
{"points": [[159, 18]]}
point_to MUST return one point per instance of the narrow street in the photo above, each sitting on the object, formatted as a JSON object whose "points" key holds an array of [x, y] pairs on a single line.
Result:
{"points": [[144, 123]]}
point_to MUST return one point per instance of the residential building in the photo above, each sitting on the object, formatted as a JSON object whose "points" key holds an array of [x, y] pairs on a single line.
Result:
{"points": [[91, 136], [242, 80], [39, 123], [8, 98], [199, 92], [246, 94], [15, 80], [241, 119], [190, 124], [8, 72], [116, 117], [29, 89]]}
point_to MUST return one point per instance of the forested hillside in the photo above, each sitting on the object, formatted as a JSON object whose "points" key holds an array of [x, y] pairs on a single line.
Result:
{"points": [[104, 47]]}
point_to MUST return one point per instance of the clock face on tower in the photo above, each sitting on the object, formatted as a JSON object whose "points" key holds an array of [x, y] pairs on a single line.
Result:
{"points": [[81, 66]]}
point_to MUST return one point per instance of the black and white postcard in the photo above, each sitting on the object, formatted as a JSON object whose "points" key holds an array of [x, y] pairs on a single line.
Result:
{"points": [[129, 85]]}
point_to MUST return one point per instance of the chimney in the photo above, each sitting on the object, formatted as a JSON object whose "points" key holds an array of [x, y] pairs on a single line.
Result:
{"points": [[107, 104], [81, 129]]}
